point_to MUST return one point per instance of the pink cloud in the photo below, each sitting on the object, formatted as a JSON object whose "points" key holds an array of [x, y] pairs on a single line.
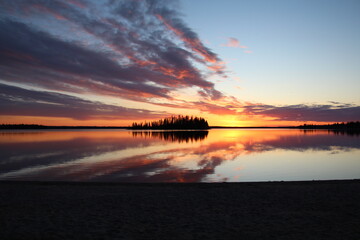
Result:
{"points": [[234, 43]]}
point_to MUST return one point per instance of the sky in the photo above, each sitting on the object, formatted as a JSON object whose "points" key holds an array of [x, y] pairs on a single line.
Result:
{"points": [[233, 62]]}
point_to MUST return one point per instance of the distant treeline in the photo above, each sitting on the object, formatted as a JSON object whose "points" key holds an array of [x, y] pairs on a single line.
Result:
{"points": [[337, 126], [36, 126], [183, 122], [174, 122]]}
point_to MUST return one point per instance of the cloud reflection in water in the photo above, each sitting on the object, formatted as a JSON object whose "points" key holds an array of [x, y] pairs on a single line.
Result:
{"points": [[171, 156]]}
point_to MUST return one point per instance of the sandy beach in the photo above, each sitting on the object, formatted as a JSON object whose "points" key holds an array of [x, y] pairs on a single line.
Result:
{"points": [[273, 210]]}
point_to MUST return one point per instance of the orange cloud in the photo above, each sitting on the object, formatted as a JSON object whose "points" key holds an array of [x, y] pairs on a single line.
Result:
{"points": [[219, 66]]}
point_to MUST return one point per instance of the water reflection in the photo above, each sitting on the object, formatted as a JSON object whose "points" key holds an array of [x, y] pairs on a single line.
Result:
{"points": [[350, 132], [173, 136], [178, 156]]}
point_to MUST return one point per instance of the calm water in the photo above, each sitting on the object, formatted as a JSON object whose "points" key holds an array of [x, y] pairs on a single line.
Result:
{"points": [[219, 155]]}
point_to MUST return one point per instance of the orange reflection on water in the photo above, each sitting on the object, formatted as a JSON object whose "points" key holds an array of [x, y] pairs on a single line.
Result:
{"points": [[157, 156], [22, 136]]}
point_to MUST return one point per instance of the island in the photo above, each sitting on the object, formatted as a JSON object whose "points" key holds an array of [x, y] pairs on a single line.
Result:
{"points": [[174, 122]]}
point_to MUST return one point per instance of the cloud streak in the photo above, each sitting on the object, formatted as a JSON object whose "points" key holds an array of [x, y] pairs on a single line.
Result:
{"points": [[19, 101], [125, 48], [322, 113]]}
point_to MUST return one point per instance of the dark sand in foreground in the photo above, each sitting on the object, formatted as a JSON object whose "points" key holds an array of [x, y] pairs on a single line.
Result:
{"points": [[279, 210]]}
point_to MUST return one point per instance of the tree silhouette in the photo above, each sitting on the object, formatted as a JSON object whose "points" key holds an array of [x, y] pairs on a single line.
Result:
{"points": [[174, 122], [337, 126], [349, 128]]}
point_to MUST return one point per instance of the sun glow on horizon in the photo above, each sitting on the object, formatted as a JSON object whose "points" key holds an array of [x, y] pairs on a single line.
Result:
{"points": [[213, 120]]}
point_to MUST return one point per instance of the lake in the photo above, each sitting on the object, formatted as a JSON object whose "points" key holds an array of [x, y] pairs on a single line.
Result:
{"points": [[217, 155]]}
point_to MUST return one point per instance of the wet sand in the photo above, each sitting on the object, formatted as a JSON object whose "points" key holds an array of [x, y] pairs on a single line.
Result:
{"points": [[275, 210]]}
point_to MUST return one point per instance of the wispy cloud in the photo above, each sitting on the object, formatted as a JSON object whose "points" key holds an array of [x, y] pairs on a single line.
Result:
{"points": [[322, 113], [135, 50], [233, 43], [19, 101]]}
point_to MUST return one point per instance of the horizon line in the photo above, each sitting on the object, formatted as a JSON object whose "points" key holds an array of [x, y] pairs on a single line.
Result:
{"points": [[39, 126]]}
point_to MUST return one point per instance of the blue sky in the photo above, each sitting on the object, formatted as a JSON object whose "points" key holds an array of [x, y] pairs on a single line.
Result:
{"points": [[302, 51]]}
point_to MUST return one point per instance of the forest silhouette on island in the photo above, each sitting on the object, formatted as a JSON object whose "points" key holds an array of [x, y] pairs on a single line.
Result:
{"points": [[174, 122]]}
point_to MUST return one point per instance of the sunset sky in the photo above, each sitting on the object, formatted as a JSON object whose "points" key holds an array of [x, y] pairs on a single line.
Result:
{"points": [[235, 63]]}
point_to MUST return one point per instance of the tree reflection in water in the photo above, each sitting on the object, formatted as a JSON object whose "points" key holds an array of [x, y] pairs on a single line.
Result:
{"points": [[349, 132], [173, 136]]}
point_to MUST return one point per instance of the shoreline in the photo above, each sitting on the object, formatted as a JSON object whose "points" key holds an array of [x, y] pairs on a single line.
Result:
{"points": [[84, 183], [44, 127], [327, 209]]}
